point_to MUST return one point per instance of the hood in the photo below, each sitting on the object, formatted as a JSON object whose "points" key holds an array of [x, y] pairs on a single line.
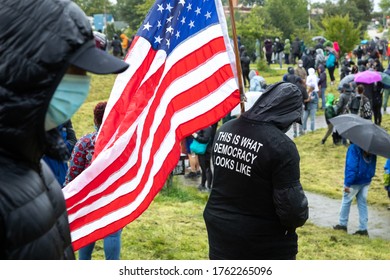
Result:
{"points": [[280, 105], [321, 67], [311, 71], [329, 99], [37, 39], [287, 41], [320, 52], [251, 74]]}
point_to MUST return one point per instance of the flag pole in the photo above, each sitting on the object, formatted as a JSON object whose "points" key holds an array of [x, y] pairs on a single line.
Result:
{"points": [[238, 61]]}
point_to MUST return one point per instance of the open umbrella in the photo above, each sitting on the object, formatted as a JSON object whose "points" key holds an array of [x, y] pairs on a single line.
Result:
{"points": [[368, 77], [363, 133], [385, 78], [315, 38], [346, 80]]}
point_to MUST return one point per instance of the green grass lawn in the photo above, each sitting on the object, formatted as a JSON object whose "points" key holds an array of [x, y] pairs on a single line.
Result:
{"points": [[172, 228]]}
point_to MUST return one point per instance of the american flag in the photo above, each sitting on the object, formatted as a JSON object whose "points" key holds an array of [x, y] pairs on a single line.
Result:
{"points": [[181, 79]]}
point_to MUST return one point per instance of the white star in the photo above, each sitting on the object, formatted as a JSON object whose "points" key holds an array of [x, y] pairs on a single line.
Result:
{"points": [[208, 15], [182, 2], [191, 24], [169, 19], [197, 11], [158, 39], [189, 7], [160, 8], [159, 24], [168, 43], [169, 29], [177, 34], [147, 26], [169, 7], [183, 20]]}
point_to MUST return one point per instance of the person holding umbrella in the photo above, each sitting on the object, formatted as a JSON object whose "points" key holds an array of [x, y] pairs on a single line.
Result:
{"points": [[359, 169]]}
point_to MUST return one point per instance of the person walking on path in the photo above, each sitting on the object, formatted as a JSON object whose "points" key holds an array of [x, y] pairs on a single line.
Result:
{"points": [[359, 169], [257, 201]]}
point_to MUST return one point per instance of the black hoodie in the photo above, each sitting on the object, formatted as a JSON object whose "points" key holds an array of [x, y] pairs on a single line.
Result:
{"points": [[257, 200], [37, 40]]}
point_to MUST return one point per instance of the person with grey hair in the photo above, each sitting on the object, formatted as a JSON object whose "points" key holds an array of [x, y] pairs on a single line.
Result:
{"points": [[47, 49]]}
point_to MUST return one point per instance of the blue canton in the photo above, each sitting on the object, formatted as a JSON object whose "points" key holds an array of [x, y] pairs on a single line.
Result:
{"points": [[171, 22]]}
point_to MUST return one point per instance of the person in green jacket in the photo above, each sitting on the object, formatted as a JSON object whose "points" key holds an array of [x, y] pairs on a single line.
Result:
{"points": [[287, 51]]}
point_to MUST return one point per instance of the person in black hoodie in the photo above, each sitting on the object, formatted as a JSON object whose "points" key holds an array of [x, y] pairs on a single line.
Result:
{"points": [[43, 82], [257, 200]]}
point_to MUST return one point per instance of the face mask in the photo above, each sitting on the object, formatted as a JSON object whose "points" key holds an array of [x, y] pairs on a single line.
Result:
{"points": [[300, 65], [67, 99]]}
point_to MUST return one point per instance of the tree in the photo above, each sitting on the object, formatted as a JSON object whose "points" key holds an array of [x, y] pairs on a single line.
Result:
{"points": [[342, 29], [127, 11], [287, 15], [385, 6], [91, 7]]}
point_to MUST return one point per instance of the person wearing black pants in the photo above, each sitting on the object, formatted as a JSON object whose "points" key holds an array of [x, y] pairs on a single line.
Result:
{"points": [[377, 103], [205, 135]]}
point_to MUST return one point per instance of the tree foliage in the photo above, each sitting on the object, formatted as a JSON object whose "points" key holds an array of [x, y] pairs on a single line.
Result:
{"points": [[287, 15], [342, 30], [91, 7]]}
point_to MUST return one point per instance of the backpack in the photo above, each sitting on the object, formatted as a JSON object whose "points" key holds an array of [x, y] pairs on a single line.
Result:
{"points": [[365, 109], [354, 105], [329, 112]]}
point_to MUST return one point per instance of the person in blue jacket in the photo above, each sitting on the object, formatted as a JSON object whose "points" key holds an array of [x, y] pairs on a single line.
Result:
{"points": [[58, 166], [359, 169], [386, 177]]}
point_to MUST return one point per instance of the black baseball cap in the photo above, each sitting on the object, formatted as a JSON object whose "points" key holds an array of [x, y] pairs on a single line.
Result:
{"points": [[92, 59]]}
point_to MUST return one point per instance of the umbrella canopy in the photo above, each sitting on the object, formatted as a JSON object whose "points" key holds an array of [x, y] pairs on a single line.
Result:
{"points": [[368, 77], [363, 133], [315, 38], [346, 80], [385, 78]]}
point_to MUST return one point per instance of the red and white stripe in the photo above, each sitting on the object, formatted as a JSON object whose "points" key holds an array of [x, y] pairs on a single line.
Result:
{"points": [[157, 102]]}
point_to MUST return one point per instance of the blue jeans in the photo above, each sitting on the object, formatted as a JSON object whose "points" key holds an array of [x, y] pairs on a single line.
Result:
{"points": [[360, 191], [312, 114], [112, 247]]}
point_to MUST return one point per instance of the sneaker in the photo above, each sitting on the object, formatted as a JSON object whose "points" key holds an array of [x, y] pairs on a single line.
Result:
{"points": [[361, 232], [198, 173], [191, 175], [322, 141], [340, 227]]}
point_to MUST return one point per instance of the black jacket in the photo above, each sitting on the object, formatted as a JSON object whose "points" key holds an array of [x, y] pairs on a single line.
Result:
{"points": [[33, 217], [257, 201]]}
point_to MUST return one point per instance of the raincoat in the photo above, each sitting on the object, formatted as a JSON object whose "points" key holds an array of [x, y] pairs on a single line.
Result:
{"points": [[33, 217]]}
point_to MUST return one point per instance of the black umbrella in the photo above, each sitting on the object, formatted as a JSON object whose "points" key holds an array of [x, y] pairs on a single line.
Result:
{"points": [[363, 133], [347, 79]]}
